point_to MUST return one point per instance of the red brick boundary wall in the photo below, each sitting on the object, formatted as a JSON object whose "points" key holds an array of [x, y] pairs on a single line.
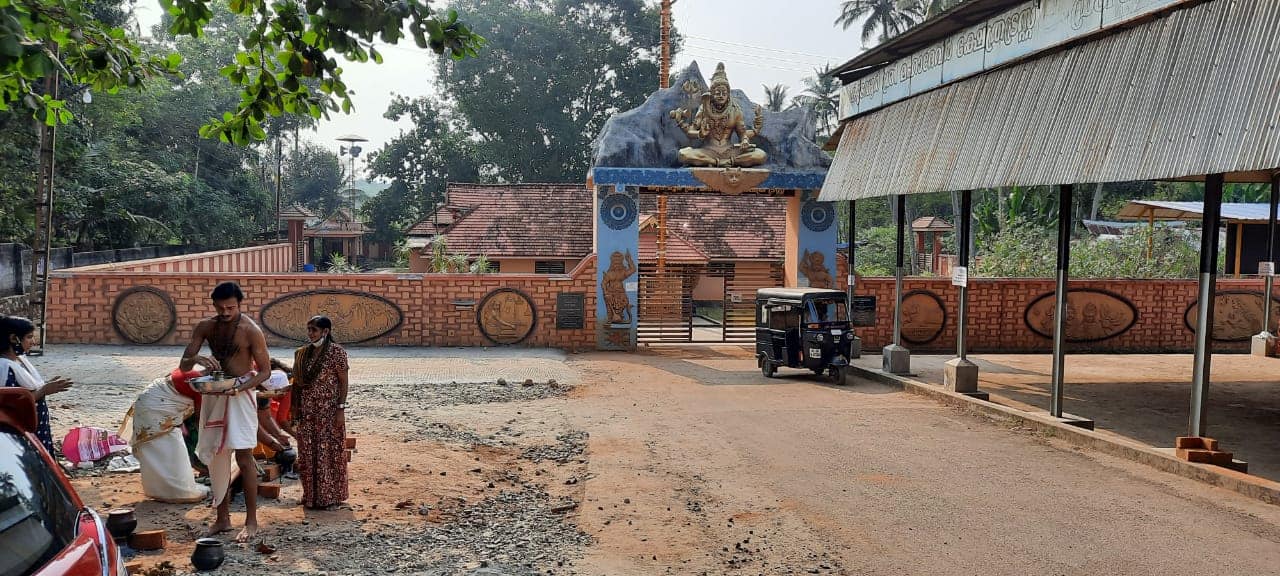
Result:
{"points": [[436, 309], [258, 259], [441, 309], [999, 318]]}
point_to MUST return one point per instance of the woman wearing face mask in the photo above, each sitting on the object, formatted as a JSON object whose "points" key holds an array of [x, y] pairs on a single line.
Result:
{"points": [[17, 335], [319, 400]]}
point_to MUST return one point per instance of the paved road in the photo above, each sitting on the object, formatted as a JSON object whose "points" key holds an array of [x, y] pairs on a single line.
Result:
{"points": [[868, 480]]}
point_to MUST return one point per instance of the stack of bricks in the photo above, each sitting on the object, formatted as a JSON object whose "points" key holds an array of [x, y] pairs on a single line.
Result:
{"points": [[1203, 450]]}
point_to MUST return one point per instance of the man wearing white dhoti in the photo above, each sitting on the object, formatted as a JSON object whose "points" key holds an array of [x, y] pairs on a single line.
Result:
{"points": [[229, 421], [153, 426]]}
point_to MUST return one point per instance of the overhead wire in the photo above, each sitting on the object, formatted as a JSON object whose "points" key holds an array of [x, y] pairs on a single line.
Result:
{"points": [[732, 53], [741, 45]]}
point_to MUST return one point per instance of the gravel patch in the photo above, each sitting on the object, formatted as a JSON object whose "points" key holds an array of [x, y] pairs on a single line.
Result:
{"points": [[571, 446]]}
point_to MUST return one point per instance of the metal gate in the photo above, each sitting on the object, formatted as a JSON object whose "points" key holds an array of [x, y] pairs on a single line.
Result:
{"points": [[740, 285], [666, 307], [665, 302]]}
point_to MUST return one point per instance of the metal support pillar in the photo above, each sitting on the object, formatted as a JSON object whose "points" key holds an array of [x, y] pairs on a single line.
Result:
{"points": [[897, 359], [959, 374], [1264, 341], [855, 343], [1204, 317], [1060, 306]]}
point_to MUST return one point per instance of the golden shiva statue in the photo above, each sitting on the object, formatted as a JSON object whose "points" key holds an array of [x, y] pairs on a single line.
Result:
{"points": [[717, 120]]}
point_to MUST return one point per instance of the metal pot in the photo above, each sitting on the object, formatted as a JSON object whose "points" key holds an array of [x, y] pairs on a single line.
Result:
{"points": [[208, 554], [286, 458], [121, 523]]}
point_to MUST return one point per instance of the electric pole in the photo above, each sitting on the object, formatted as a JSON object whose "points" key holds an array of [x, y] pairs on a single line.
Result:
{"points": [[665, 80]]}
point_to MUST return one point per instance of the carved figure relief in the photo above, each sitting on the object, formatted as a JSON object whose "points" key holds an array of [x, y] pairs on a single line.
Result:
{"points": [[357, 316], [143, 315], [506, 316], [614, 286], [814, 267], [732, 181], [717, 120], [923, 317], [1092, 315], [1237, 316]]}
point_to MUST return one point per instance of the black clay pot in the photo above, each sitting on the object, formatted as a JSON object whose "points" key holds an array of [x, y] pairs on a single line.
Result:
{"points": [[121, 523], [285, 458], [208, 554]]}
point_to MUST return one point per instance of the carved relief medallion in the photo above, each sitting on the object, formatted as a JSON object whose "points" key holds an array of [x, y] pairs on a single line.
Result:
{"points": [[357, 316], [1092, 315], [817, 216], [618, 211], [923, 317], [143, 315], [1237, 315], [506, 316]]}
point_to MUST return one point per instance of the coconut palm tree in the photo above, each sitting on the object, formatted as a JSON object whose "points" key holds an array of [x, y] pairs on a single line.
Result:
{"points": [[775, 97], [822, 94], [929, 8], [889, 17]]}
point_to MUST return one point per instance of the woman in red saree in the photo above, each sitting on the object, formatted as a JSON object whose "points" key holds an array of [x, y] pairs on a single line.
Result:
{"points": [[319, 400]]}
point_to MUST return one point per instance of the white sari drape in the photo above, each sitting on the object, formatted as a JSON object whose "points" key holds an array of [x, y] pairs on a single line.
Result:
{"points": [[153, 427]]}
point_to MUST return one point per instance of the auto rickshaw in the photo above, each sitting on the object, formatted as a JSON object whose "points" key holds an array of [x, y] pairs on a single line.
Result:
{"points": [[803, 328]]}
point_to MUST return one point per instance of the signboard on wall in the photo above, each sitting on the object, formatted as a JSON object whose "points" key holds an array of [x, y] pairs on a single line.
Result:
{"points": [[1119, 11], [862, 311], [570, 310], [1028, 28]]}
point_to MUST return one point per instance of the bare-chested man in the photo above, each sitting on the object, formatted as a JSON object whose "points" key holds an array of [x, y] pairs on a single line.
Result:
{"points": [[229, 423]]}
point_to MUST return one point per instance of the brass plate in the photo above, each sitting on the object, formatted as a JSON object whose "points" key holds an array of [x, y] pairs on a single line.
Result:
{"points": [[357, 316]]}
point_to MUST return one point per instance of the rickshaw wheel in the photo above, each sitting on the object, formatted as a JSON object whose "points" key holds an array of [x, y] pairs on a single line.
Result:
{"points": [[767, 368], [838, 374]]}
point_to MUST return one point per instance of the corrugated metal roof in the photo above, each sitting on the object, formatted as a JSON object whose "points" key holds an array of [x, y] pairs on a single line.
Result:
{"points": [[1232, 212], [1195, 92]]}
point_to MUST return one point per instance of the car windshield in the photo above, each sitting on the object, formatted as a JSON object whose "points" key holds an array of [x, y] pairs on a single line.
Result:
{"points": [[38, 517], [827, 311]]}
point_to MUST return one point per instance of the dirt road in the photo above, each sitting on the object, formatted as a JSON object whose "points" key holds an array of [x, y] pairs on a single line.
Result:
{"points": [[690, 462]]}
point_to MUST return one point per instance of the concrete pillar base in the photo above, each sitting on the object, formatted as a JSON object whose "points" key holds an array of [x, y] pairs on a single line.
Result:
{"points": [[960, 375], [896, 359], [855, 348], [1077, 421], [1263, 344]]}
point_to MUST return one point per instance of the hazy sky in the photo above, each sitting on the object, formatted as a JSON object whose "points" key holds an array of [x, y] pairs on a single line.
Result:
{"points": [[760, 42]]}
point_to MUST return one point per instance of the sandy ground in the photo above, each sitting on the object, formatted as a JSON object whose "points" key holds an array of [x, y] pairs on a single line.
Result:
{"points": [[693, 463]]}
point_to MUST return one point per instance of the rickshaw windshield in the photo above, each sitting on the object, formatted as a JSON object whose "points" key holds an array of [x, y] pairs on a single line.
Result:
{"points": [[826, 311]]}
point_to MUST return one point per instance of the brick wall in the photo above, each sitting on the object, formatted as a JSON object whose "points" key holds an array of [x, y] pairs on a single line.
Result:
{"points": [[80, 302], [257, 259], [998, 307]]}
